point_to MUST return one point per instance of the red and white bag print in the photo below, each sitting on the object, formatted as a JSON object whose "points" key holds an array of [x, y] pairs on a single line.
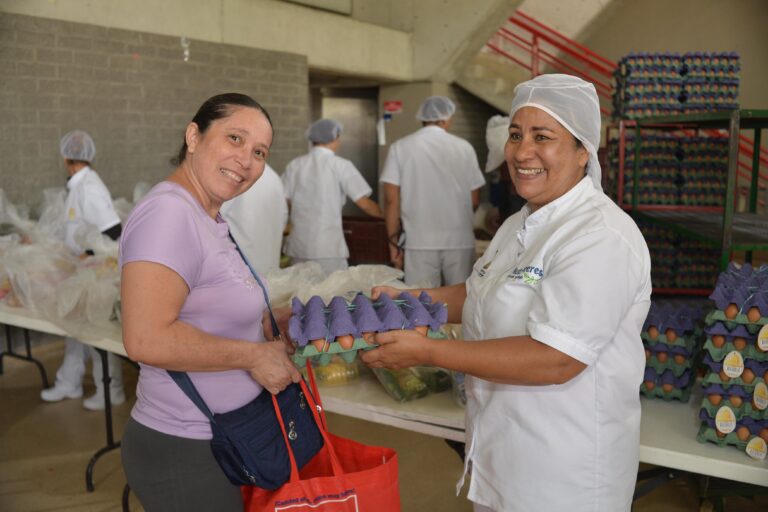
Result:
{"points": [[345, 476]]}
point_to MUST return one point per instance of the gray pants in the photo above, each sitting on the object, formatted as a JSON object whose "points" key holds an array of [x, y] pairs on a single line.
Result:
{"points": [[430, 269], [169, 473]]}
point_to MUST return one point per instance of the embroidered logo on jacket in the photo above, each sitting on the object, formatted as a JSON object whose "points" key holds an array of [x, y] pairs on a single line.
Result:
{"points": [[530, 275]]}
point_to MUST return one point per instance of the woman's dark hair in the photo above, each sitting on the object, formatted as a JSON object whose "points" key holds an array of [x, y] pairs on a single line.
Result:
{"points": [[217, 107]]}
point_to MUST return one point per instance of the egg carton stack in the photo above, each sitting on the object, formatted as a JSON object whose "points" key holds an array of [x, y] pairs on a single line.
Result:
{"points": [[664, 84], [672, 341], [710, 81], [678, 261], [673, 169], [343, 328], [734, 410]]}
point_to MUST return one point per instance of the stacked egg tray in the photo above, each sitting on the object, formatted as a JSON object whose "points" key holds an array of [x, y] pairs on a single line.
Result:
{"points": [[343, 328], [678, 261], [672, 341], [664, 84], [673, 170], [734, 410]]}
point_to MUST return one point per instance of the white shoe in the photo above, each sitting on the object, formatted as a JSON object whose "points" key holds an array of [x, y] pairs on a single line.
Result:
{"points": [[57, 393], [95, 402]]}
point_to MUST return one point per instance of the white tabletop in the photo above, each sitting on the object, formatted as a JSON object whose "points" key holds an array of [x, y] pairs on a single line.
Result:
{"points": [[667, 434]]}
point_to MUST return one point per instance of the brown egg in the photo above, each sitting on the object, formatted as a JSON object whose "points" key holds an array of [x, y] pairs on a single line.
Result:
{"points": [[764, 434], [715, 399], [320, 345], [346, 341], [731, 311], [718, 340], [671, 335], [736, 400], [647, 353], [739, 343], [723, 376], [679, 358], [668, 388], [653, 332], [719, 434], [753, 315], [743, 433], [748, 375], [423, 329], [368, 337], [649, 385], [661, 356]]}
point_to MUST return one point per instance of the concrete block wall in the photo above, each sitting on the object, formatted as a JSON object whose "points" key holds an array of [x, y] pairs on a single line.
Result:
{"points": [[133, 92]]}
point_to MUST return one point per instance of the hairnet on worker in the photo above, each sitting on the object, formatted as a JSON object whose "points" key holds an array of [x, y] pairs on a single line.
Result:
{"points": [[573, 103], [436, 108], [77, 145], [496, 136], [324, 131]]}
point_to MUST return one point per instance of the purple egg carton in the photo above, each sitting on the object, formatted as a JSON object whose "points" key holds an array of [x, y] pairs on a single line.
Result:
{"points": [[672, 350], [754, 426], [314, 320], [681, 319], [719, 328], [757, 367], [667, 377], [719, 389]]}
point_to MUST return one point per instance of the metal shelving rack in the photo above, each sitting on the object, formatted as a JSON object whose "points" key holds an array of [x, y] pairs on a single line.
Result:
{"points": [[720, 227]]}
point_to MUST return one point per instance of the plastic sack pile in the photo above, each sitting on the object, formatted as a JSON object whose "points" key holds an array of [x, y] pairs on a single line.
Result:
{"points": [[734, 410]]}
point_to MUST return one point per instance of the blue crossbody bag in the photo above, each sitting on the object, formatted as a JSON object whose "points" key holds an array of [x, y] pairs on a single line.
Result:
{"points": [[248, 443]]}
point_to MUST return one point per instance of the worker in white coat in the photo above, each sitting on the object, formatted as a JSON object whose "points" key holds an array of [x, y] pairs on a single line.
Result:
{"points": [[257, 219], [551, 317], [88, 202], [317, 185], [432, 186]]}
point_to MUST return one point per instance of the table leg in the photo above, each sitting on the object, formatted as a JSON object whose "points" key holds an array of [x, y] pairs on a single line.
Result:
{"points": [[28, 357], [111, 444]]}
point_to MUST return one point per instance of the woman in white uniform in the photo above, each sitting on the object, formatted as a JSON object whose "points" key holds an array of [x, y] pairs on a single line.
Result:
{"points": [[317, 186], [551, 318]]}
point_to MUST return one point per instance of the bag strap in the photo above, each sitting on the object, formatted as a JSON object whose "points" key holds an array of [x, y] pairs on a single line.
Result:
{"points": [[335, 463], [275, 329], [185, 383]]}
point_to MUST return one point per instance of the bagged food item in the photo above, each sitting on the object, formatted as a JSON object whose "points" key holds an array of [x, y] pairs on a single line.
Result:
{"points": [[402, 385], [336, 373]]}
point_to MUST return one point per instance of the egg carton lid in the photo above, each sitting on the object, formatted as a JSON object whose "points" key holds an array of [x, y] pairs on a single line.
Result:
{"points": [[726, 389]]}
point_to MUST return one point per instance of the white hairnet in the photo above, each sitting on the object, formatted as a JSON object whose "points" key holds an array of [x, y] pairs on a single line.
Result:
{"points": [[324, 131], [496, 136], [436, 108], [573, 103], [77, 145]]}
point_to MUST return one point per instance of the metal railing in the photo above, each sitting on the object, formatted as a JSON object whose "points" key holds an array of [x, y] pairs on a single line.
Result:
{"points": [[536, 47]]}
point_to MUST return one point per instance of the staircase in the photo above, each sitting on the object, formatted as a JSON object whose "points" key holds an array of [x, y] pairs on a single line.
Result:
{"points": [[523, 47]]}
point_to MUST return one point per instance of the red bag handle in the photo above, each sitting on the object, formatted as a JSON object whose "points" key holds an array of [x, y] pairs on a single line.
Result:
{"points": [[335, 464]]}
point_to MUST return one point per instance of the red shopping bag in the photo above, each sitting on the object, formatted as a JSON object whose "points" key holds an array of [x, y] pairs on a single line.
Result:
{"points": [[345, 476]]}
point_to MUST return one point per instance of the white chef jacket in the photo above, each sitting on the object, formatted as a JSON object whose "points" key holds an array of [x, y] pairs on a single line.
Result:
{"points": [[436, 173], [317, 185], [574, 275], [88, 202], [257, 220]]}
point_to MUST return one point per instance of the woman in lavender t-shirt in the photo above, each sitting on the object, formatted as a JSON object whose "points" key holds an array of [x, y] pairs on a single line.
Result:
{"points": [[190, 303]]}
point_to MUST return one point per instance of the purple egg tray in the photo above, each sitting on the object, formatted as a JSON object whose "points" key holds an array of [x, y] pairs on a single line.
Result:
{"points": [[720, 389], [682, 319], [758, 367], [314, 320], [743, 286], [739, 331], [667, 377], [754, 426]]}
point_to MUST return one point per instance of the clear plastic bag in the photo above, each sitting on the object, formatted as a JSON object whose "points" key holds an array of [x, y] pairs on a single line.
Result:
{"points": [[34, 272]]}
